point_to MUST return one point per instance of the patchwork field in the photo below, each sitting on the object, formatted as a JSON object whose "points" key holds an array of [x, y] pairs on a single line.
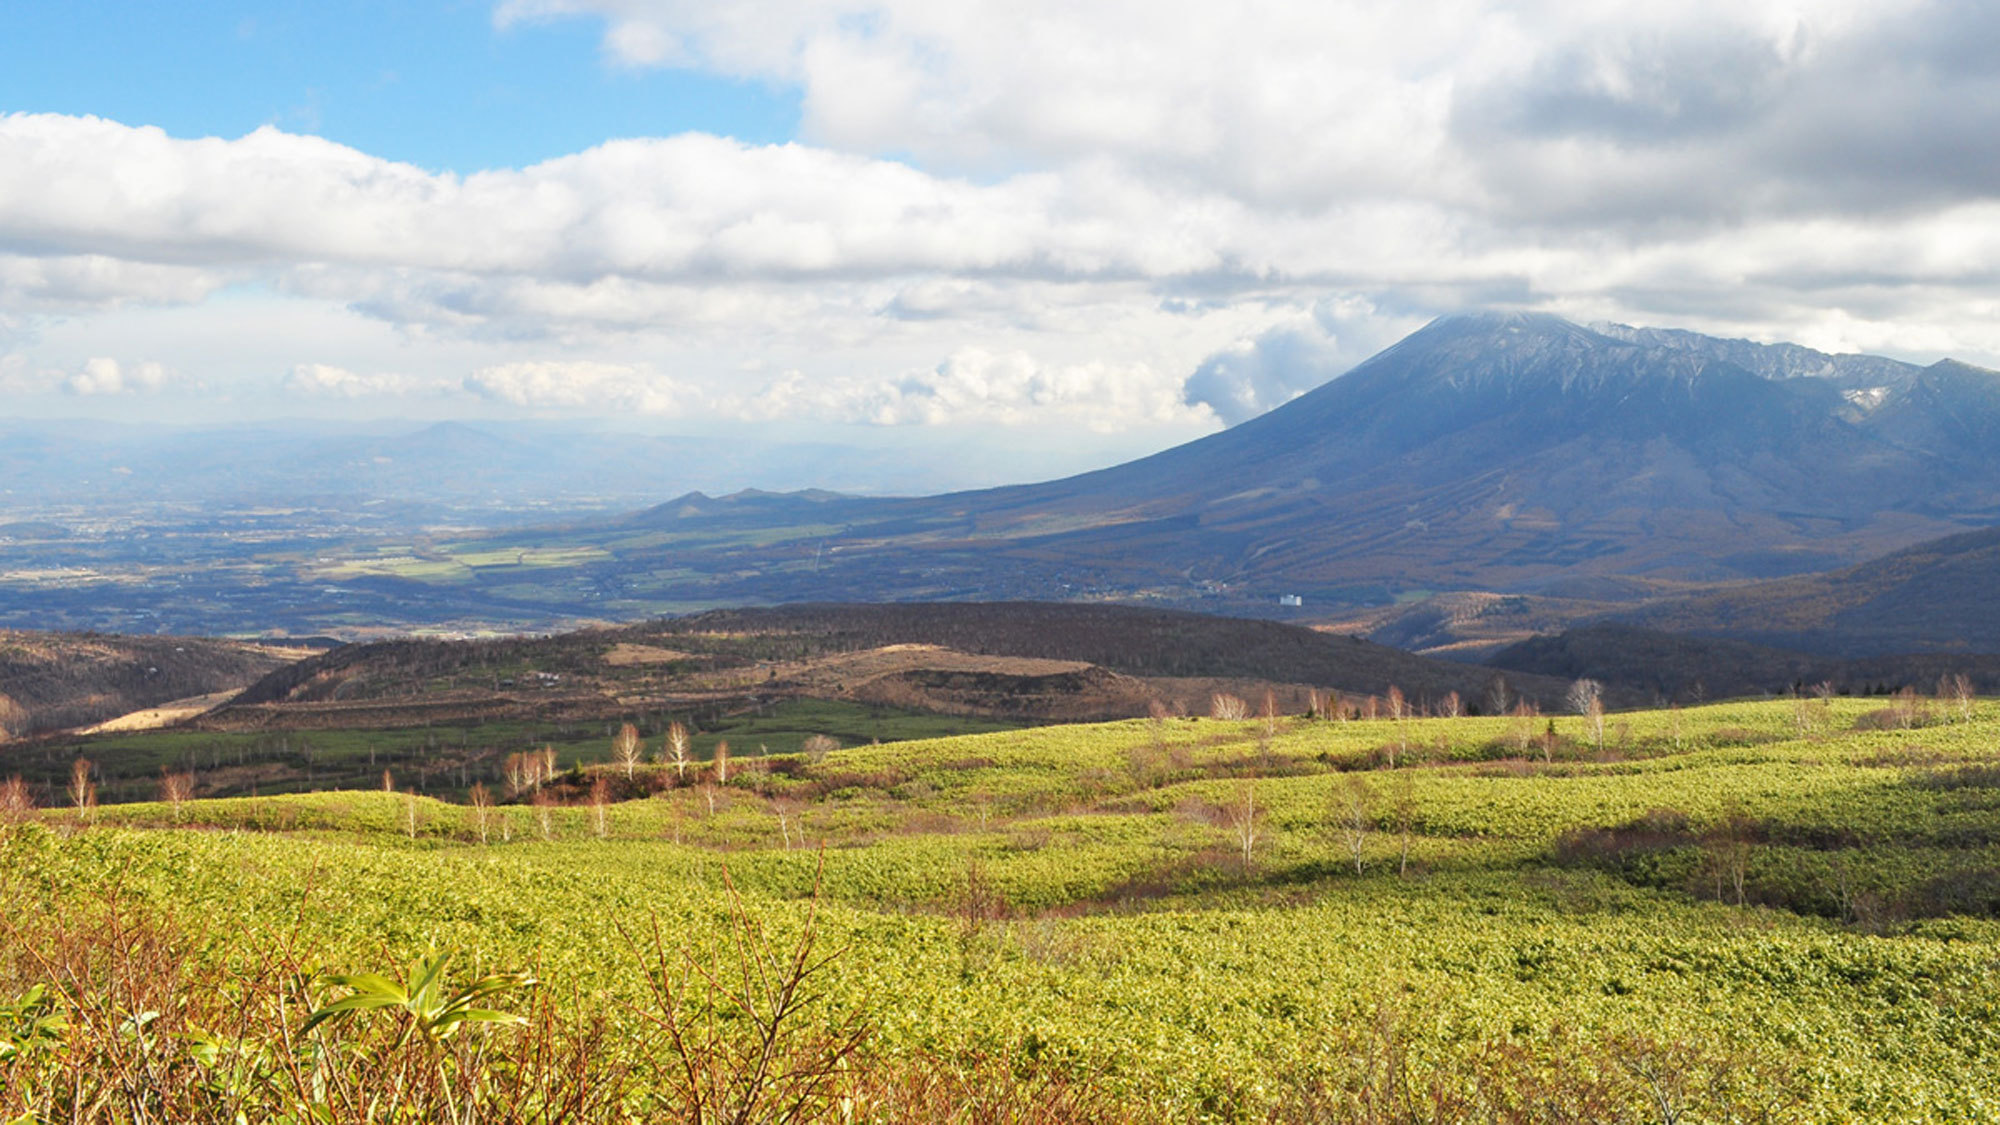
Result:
{"points": [[1777, 911]]}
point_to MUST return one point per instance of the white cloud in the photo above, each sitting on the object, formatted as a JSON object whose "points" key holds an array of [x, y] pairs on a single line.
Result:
{"points": [[86, 281], [975, 385], [1118, 213], [1543, 108], [102, 375], [327, 380], [599, 388], [678, 208], [1284, 361]]}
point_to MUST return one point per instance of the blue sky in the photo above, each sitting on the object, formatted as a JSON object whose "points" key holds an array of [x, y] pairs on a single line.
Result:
{"points": [[1079, 231], [433, 84]]}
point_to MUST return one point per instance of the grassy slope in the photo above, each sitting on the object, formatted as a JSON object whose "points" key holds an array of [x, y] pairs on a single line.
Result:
{"points": [[444, 759], [1138, 947]]}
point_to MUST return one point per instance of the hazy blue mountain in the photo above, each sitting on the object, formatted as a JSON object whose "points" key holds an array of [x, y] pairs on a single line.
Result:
{"points": [[1521, 451], [1513, 453], [1500, 452]]}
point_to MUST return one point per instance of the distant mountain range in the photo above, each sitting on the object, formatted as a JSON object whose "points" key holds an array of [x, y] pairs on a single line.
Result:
{"points": [[496, 473], [1489, 478], [1513, 453]]}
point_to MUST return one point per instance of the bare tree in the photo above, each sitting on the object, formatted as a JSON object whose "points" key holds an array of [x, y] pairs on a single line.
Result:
{"points": [[515, 767], [176, 789], [1522, 731], [979, 905], [816, 747], [626, 747], [1246, 822], [1452, 706], [786, 809], [82, 791], [548, 770], [482, 810], [1586, 698], [1222, 705], [410, 814], [544, 806], [708, 794], [1498, 695], [1406, 818], [1270, 713], [1354, 815], [1809, 714], [1729, 853], [677, 750], [600, 793], [1674, 725], [721, 762], [675, 816], [17, 802], [388, 783], [1960, 690], [1398, 709], [1908, 710]]}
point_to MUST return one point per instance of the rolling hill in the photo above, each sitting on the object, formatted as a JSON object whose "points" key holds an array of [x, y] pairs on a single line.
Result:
{"points": [[1934, 597], [1022, 661], [52, 681]]}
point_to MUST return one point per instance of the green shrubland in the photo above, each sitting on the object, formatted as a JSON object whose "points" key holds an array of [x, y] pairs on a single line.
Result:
{"points": [[1775, 911]]}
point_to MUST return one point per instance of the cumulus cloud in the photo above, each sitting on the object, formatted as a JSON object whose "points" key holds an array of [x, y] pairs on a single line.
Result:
{"points": [[103, 375], [87, 281], [602, 388], [1473, 103], [1256, 373], [976, 385], [685, 207], [328, 381], [1118, 211]]}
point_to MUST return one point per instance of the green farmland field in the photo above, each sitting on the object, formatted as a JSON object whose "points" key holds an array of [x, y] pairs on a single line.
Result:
{"points": [[1775, 911]]}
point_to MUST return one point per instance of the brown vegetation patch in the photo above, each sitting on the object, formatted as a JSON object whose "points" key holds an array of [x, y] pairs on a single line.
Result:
{"points": [[626, 655]]}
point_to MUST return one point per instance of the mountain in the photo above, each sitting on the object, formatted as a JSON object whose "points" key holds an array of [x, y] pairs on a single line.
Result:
{"points": [[1580, 469], [1515, 453]]}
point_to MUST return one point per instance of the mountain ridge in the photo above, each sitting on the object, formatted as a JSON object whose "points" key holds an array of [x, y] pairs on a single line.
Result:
{"points": [[1513, 453]]}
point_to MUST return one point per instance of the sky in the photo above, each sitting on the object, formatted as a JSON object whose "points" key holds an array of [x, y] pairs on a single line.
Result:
{"points": [[1078, 231]]}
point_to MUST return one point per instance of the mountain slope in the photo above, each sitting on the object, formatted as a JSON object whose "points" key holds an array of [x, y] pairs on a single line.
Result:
{"points": [[1517, 453], [51, 681], [1936, 596]]}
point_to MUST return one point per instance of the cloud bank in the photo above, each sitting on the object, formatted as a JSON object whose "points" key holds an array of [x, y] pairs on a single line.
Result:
{"points": [[1121, 214]]}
